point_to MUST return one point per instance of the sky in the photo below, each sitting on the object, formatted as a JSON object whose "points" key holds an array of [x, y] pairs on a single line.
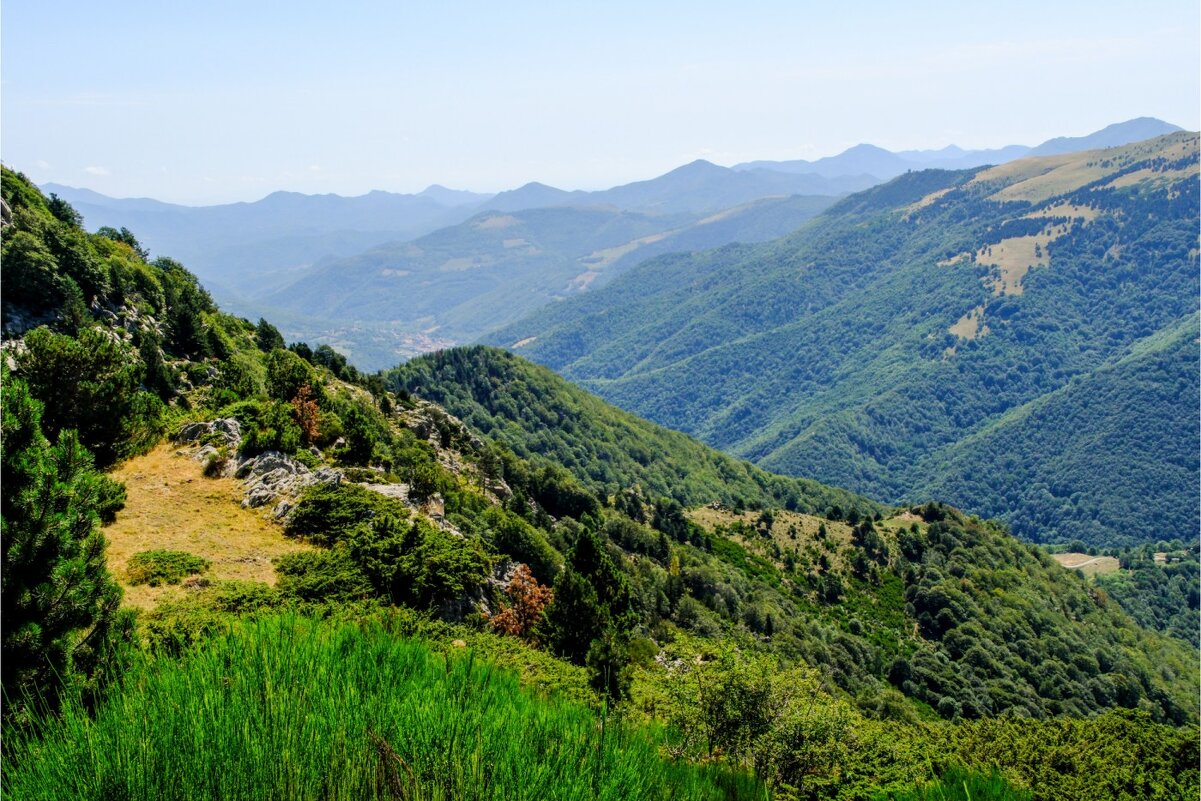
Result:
{"points": [[221, 101]]}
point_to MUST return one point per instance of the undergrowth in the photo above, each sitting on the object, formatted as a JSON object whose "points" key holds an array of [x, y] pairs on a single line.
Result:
{"points": [[164, 567]]}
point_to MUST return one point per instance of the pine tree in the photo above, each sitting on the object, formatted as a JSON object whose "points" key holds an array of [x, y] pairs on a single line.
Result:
{"points": [[59, 601], [575, 618]]}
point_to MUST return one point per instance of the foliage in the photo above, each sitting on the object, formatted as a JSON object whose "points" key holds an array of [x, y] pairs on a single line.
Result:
{"points": [[404, 561], [59, 601], [957, 784], [322, 576], [307, 415], [90, 384], [527, 600], [1163, 597], [163, 567]]}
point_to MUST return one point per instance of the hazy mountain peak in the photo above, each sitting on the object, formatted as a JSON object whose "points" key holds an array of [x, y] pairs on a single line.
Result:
{"points": [[1120, 133], [451, 197]]}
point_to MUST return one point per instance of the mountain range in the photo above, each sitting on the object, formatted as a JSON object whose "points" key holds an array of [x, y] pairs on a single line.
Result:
{"points": [[258, 258], [882, 164]]}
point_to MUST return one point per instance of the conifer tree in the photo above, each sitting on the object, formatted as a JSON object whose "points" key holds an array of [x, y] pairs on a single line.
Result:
{"points": [[59, 601]]}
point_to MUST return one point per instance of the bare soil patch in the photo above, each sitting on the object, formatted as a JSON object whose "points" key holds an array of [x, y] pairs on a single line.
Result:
{"points": [[1088, 565]]}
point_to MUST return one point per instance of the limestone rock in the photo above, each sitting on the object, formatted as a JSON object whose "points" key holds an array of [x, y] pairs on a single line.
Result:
{"points": [[274, 477], [228, 430]]}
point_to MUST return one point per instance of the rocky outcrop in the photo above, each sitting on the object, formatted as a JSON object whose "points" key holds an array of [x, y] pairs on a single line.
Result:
{"points": [[226, 432], [270, 477], [274, 477]]}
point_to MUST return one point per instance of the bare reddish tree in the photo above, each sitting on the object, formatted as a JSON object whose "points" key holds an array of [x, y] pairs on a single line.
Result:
{"points": [[527, 599], [304, 407]]}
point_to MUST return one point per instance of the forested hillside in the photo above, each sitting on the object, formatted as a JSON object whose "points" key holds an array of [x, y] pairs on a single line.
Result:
{"points": [[928, 337], [542, 417], [492, 607]]}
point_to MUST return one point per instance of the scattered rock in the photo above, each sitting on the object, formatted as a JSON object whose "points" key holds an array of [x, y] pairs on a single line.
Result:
{"points": [[228, 430]]}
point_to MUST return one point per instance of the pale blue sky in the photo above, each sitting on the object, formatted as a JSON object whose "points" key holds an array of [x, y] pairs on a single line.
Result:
{"points": [[218, 101]]}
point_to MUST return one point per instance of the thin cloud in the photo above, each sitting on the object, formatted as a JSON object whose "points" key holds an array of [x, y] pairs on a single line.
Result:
{"points": [[100, 172]]}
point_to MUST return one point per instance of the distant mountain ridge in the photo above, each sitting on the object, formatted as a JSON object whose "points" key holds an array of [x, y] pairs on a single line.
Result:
{"points": [[883, 164], [456, 283], [256, 258]]}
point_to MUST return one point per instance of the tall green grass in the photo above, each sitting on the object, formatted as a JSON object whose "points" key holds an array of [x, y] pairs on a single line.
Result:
{"points": [[289, 708], [959, 784]]}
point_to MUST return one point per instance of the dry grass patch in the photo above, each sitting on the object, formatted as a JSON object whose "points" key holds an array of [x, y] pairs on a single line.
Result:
{"points": [[1066, 210], [171, 506], [583, 280], [1016, 256], [600, 259], [1088, 565], [951, 262], [970, 325], [927, 200], [1151, 177], [784, 524], [496, 221], [461, 264]]}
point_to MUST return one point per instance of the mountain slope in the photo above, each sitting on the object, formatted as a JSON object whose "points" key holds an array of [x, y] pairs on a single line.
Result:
{"points": [[1118, 444], [905, 319], [878, 644], [542, 417]]}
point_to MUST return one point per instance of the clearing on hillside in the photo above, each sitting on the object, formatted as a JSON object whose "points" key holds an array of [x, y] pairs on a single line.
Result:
{"points": [[1088, 565], [170, 505]]}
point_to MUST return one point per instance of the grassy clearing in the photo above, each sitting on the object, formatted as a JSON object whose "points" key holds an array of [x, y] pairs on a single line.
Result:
{"points": [[1016, 256], [1088, 565], [1071, 210], [784, 524], [970, 325], [171, 506], [290, 708]]}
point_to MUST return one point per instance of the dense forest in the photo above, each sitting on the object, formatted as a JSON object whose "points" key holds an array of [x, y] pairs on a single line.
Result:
{"points": [[939, 336], [519, 593]]}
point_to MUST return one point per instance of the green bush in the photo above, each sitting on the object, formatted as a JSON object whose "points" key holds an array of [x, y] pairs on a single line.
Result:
{"points": [[163, 567], [322, 576], [957, 784]]}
